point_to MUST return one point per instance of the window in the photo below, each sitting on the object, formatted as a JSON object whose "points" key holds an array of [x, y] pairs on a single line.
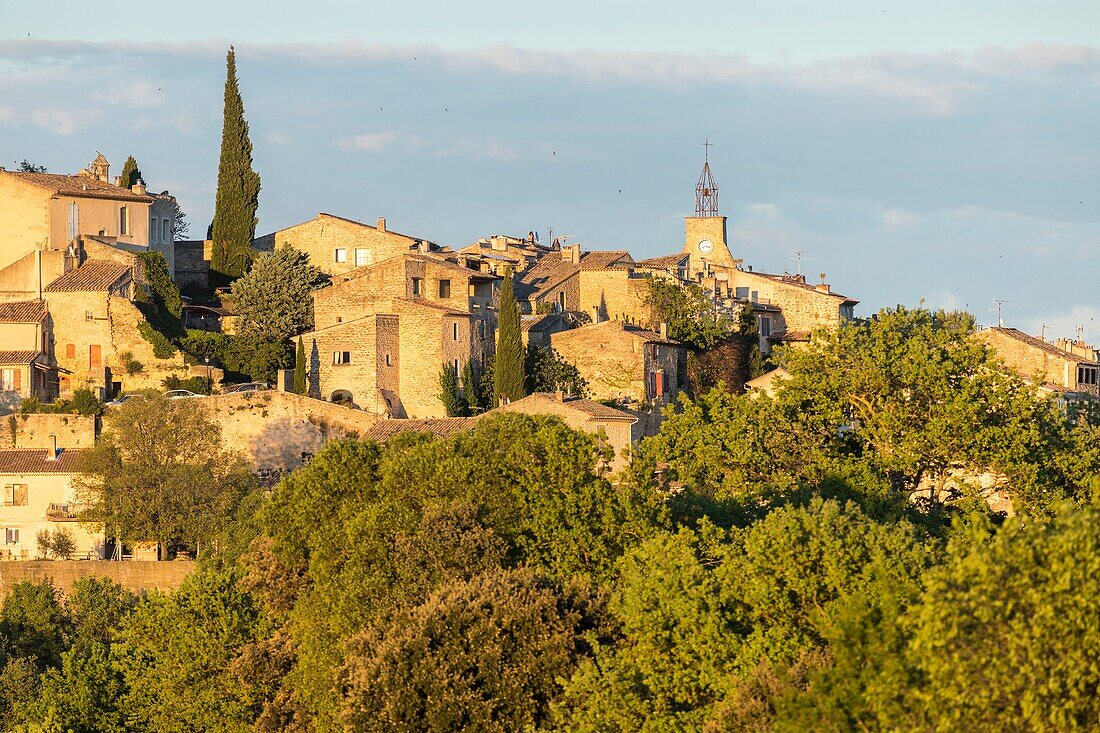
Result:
{"points": [[741, 293], [341, 255], [444, 288], [15, 495], [7, 379], [124, 221], [1087, 375], [11, 536], [481, 329], [341, 357], [846, 312], [454, 331], [765, 326], [388, 363], [154, 228], [561, 301], [417, 283], [362, 257], [458, 369]]}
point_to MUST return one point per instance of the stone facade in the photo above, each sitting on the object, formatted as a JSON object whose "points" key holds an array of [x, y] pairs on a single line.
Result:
{"points": [[1051, 367], [137, 576], [705, 243], [43, 430], [624, 362], [337, 246]]}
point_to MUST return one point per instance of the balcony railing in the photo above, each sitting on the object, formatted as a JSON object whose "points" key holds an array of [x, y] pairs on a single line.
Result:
{"points": [[63, 513]]}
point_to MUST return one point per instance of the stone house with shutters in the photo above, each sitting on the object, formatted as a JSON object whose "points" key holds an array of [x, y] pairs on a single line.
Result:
{"points": [[39, 495], [42, 213], [337, 246], [624, 362], [383, 333]]}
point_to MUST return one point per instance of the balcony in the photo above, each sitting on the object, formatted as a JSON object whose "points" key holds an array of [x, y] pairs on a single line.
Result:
{"points": [[63, 512]]}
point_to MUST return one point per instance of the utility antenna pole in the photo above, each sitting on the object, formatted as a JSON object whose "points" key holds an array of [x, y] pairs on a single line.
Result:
{"points": [[997, 306], [799, 256], [1044, 326], [1080, 333]]}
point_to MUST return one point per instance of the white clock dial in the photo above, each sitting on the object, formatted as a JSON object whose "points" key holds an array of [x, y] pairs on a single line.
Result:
{"points": [[705, 246]]}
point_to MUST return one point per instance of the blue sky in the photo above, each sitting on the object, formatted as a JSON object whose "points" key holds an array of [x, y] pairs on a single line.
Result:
{"points": [[912, 150]]}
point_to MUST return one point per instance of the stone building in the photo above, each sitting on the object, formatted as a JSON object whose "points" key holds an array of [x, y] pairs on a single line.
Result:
{"points": [[25, 369], [500, 253], [39, 497], [42, 213], [624, 362], [337, 246], [584, 282], [1055, 368], [383, 333]]}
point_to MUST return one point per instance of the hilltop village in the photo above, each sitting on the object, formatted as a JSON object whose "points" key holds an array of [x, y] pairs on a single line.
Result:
{"points": [[402, 330]]}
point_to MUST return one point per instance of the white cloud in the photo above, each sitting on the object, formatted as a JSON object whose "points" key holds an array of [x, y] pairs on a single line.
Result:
{"points": [[7, 116], [63, 121], [368, 142], [131, 95], [278, 138], [478, 149]]}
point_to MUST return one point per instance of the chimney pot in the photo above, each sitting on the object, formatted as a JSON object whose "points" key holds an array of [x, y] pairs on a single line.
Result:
{"points": [[664, 330], [52, 454], [381, 224], [559, 396]]}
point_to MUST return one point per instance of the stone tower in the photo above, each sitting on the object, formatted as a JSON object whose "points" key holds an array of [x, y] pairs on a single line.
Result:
{"points": [[100, 168], [705, 233]]}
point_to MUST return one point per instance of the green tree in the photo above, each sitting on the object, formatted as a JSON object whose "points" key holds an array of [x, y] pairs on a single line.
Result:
{"points": [[274, 300], [300, 362], [471, 387], [159, 473], [454, 402], [688, 312], [546, 371], [33, 623], [486, 654], [131, 174], [27, 167], [508, 362], [175, 654], [238, 193]]}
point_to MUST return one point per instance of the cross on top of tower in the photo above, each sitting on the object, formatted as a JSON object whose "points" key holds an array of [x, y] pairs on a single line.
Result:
{"points": [[706, 190]]}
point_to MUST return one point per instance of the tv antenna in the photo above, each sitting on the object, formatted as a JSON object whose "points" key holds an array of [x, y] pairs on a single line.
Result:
{"points": [[1043, 333], [799, 256], [998, 305]]}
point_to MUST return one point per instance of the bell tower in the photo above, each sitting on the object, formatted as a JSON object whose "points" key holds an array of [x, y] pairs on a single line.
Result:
{"points": [[705, 233]]}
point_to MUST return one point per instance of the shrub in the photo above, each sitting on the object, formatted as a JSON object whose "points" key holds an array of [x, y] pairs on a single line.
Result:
{"points": [[162, 347]]}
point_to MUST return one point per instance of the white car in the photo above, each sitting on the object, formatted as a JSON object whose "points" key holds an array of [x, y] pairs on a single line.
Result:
{"points": [[181, 394], [248, 387], [122, 399]]}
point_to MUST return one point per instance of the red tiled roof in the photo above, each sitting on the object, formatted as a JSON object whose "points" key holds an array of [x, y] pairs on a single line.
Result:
{"points": [[1035, 343], [18, 357], [598, 409], [651, 337], [23, 311], [93, 275], [551, 270], [23, 461], [80, 185], [385, 429], [663, 262]]}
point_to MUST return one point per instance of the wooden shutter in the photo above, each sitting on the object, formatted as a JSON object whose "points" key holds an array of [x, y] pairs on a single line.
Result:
{"points": [[16, 379], [70, 351], [20, 494], [95, 356]]}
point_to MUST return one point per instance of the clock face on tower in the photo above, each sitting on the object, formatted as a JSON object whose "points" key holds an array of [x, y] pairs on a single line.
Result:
{"points": [[705, 246]]}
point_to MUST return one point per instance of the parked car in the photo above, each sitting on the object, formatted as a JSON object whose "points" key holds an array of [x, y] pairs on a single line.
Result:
{"points": [[248, 387], [181, 394], [122, 399]]}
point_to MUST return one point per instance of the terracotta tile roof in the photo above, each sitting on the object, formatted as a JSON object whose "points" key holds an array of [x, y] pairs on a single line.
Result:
{"points": [[794, 281], [526, 323], [651, 337], [1035, 343], [790, 336], [604, 260], [423, 303], [80, 185], [550, 271], [92, 276], [23, 311], [18, 357], [663, 262], [34, 461], [385, 429], [598, 409]]}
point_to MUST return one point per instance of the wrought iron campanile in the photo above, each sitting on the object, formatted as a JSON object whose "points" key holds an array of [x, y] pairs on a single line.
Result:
{"points": [[706, 190]]}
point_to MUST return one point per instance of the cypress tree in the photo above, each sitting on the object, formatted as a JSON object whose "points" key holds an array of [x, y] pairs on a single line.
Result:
{"points": [[470, 386], [454, 402], [508, 364], [300, 368], [131, 174], [238, 186]]}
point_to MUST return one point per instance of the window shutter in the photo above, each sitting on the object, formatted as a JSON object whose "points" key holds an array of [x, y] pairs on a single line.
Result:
{"points": [[20, 494], [17, 376]]}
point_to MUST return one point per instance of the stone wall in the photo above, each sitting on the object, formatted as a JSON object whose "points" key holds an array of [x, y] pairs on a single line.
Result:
{"points": [[33, 431], [272, 429], [805, 308], [610, 360], [134, 575], [615, 295], [24, 219], [192, 268]]}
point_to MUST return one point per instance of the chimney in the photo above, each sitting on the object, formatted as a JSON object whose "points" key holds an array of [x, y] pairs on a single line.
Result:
{"points": [[381, 224], [664, 330], [559, 396], [423, 245], [595, 314], [139, 188], [52, 455], [572, 254]]}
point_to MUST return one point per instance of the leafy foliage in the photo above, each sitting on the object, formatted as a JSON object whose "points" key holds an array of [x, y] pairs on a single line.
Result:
{"points": [[274, 299], [689, 314], [454, 402], [546, 371], [238, 192], [301, 385], [131, 174]]}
